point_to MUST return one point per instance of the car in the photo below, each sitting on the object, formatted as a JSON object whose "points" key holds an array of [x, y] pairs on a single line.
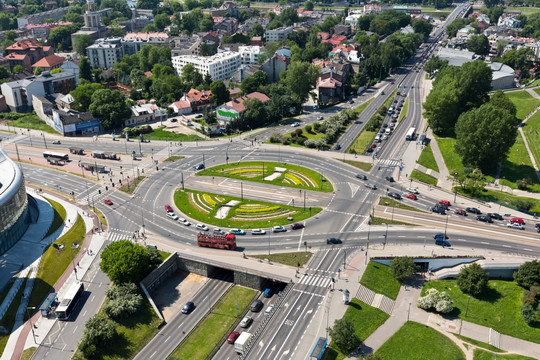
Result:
{"points": [[394, 195], [268, 293], [351, 101], [473, 210], [515, 225], [382, 92], [319, 118], [337, 147], [440, 235], [269, 309], [199, 116], [537, 225], [296, 124], [460, 212], [256, 306], [184, 221], [201, 227], [442, 206], [188, 307], [438, 210], [334, 241], [495, 216], [168, 208], [107, 201], [174, 120], [361, 176], [444, 202], [442, 242], [517, 220], [232, 337], [246, 321], [484, 218], [390, 178], [172, 216], [398, 93], [199, 166], [56, 142], [385, 137], [279, 229], [371, 186], [297, 226], [237, 232], [258, 232], [413, 190], [411, 196], [218, 231]]}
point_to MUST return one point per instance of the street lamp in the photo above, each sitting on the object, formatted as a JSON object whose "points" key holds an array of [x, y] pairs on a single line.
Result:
{"points": [[73, 262], [44, 142], [269, 231], [385, 236], [344, 258], [30, 319], [446, 226], [467, 310], [409, 312], [30, 137]]}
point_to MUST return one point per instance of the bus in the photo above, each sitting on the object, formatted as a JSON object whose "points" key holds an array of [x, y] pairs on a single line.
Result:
{"points": [[411, 134], [55, 155], [72, 296]]}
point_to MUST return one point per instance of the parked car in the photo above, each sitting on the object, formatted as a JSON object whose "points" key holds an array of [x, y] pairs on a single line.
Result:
{"points": [[237, 232], [258, 232], [537, 225], [495, 216], [297, 226], [232, 337], [334, 241], [517, 220], [172, 216], [246, 321], [484, 218], [201, 227], [256, 306], [107, 201], [394, 195], [515, 225], [371, 186], [168, 208], [279, 229], [411, 196], [460, 212], [473, 210], [296, 124], [337, 147], [188, 307], [361, 176], [199, 166], [390, 179], [413, 190]]}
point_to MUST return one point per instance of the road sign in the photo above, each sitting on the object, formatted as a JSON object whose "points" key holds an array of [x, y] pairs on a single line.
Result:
{"points": [[338, 270]]}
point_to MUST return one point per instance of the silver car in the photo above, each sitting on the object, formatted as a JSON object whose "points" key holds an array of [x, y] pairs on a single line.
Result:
{"points": [[371, 186]]}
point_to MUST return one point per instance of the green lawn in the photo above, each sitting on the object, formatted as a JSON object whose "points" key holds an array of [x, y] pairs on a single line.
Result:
{"points": [[518, 165], [27, 354], [427, 159], [101, 217], [387, 201], [524, 10], [415, 341], [173, 158], [130, 185], [211, 330], [291, 259], [534, 83], [451, 158], [55, 261], [32, 121], [161, 134], [479, 344], [381, 221], [295, 176], [359, 164], [498, 308], [480, 354], [366, 320], [504, 198], [404, 110], [525, 102], [248, 214], [420, 176], [362, 142], [378, 278], [531, 131], [59, 216]]}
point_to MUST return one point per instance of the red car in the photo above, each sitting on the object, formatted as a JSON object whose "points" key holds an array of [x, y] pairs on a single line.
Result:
{"points": [[107, 201], [460, 212], [297, 226], [444, 202], [168, 208], [232, 338], [517, 220], [411, 196]]}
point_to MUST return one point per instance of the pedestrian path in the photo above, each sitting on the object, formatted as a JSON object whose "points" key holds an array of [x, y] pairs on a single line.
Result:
{"points": [[119, 234], [371, 298], [389, 162], [315, 280]]}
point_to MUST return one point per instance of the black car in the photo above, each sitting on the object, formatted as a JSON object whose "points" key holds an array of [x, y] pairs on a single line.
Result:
{"points": [[256, 306], [438, 210], [394, 195], [361, 176], [390, 178], [188, 307], [473, 210], [333, 241], [537, 225], [484, 218], [337, 147], [495, 216], [442, 206]]}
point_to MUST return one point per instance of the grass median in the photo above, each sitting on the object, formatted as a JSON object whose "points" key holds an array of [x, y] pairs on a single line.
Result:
{"points": [[359, 164], [427, 159], [130, 185], [161, 134], [378, 278], [291, 259], [59, 216], [386, 201], [423, 177], [404, 110], [211, 330]]}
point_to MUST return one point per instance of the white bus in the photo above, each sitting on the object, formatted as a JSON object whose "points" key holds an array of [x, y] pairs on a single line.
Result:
{"points": [[64, 310], [411, 134], [55, 155]]}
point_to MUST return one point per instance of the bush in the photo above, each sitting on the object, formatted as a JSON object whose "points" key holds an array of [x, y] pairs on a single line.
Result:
{"points": [[124, 300], [275, 138], [528, 313], [433, 300], [308, 128], [528, 298], [298, 132], [98, 331], [300, 140], [402, 267], [124, 261], [523, 203], [316, 126], [472, 280], [528, 274]]}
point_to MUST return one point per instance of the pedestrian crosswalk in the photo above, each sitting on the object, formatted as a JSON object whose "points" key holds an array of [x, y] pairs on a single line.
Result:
{"points": [[119, 234], [315, 280], [389, 162]]}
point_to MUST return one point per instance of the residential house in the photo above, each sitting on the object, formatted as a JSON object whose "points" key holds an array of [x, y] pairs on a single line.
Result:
{"points": [[185, 45], [249, 54], [134, 41], [181, 107], [277, 63], [49, 63], [145, 113], [278, 34], [104, 53], [334, 39], [26, 52], [41, 31], [39, 18], [341, 29], [235, 108], [72, 67], [225, 26], [330, 90], [243, 72], [199, 99]]}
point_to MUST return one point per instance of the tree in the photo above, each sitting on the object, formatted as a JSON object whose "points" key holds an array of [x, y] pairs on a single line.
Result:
{"points": [[17, 69], [491, 3], [402, 267], [300, 78], [478, 44], [81, 42], [115, 30], [308, 5], [82, 95], [60, 37], [422, 27], [38, 70], [344, 335], [111, 107], [256, 30], [124, 261], [255, 115], [435, 63], [147, 4], [98, 330], [56, 71], [124, 300], [162, 21], [9, 38], [440, 302], [191, 76], [4, 73], [528, 274], [220, 94], [455, 26], [472, 280], [85, 71]]}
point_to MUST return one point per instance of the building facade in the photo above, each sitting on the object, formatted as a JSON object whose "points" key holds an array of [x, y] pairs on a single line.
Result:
{"points": [[105, 53], [219, 66], [278, 34], [249, 54]]}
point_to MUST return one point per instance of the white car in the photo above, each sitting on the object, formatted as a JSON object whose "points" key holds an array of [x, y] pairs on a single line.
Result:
{"points": [[172, 215], [319, 118], [269, 309], [246, 321], [202, 227], [258, 232], [515, 226], [296, 124], [184, 221], [279, 229], [219, 231], [413, 190]]}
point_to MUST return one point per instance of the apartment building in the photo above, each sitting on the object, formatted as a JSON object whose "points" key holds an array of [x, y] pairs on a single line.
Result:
{"points": [[249, 54], [104, 53], [219, 66], [278, 34]]}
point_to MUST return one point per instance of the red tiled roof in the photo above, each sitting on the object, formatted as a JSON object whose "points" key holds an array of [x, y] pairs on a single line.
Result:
{"points": [[238, 103], [329, 83], [49, 61], [14, 56], [148, 73], [146, 36], [24, 44], [196, 95], [335, 40], [181, 104]]}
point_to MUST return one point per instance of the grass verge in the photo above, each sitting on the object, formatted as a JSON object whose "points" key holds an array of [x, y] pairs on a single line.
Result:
{"points": [[366, 320], [380, 221], [427, 159], [8, 321], [161, 134], [27, 354], [517, 166], [173, 158], [32, 121], [209, 331], [293, 177], [525, 102], [505, 198], [527, 11], [479, 343], [378, 278], [55, 261], [416, 341], [184, 201], [479, 354], [59, 216], [101, 217], [359, 164], [291, 259], [386, 201], [130, 185], [497, 308], [404, 110], [531, 131], [420, 176]]}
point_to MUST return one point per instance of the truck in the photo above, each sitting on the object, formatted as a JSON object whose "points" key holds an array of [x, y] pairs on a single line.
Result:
{"points": [[241, 343], [216, 240]]}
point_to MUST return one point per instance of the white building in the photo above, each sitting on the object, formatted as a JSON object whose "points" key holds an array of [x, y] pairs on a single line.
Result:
{"points": [[104, 53], [278, 34], [219, 66], [249, 54]]}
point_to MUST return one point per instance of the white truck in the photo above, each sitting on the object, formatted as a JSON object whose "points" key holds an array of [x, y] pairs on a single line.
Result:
{"points": [[241, 343]]}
